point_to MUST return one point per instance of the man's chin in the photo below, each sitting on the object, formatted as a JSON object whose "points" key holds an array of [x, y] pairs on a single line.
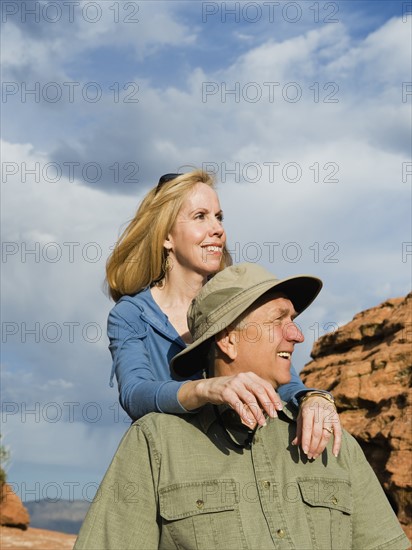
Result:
{"points": [[282, 380]]}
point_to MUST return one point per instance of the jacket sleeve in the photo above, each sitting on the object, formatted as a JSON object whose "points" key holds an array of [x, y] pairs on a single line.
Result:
{"points": [[143, 387], [124, 513]]}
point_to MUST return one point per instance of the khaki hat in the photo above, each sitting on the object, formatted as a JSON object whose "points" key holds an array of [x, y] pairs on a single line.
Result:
{"points": [[225, 297]]}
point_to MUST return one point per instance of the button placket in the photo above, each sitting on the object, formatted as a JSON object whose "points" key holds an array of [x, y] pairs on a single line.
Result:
{"points": [[268, 493]]}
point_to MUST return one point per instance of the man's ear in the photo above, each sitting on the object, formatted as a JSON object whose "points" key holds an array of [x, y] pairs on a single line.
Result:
{"points": [[226, 341]]}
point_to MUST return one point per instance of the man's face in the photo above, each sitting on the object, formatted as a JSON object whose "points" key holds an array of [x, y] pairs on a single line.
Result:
{"points": [[266, 342]]}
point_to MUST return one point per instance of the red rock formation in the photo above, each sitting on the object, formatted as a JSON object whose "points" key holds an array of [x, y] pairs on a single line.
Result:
{"points": [[13, 514], [366, 364], [34, 539], [12, 511]]}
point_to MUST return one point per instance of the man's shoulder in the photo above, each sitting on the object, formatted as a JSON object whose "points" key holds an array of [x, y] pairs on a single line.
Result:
{"points": [[163, 422], [350, 444]]}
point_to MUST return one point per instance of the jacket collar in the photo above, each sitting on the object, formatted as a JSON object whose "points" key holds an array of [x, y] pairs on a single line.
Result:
{"points": [[153, 315]]}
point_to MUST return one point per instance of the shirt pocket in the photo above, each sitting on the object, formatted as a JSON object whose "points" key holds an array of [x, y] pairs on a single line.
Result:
{"points": [[202, 515], [328, 508]]}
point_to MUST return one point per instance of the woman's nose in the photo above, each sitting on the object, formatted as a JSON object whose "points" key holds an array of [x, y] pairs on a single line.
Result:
{"points": [[216, 227]]}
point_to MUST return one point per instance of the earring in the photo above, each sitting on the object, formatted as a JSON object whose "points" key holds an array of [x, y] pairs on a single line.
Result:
{"points": [[167, 264]]}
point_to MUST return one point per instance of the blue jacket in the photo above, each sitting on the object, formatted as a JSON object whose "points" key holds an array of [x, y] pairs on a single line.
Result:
{"points": [[142, 343]]}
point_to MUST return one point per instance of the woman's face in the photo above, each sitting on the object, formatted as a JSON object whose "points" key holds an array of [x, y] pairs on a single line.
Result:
{"points": [[196, 240]]}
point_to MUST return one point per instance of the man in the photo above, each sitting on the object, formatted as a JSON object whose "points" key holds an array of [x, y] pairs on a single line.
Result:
{"points": [[206, 481]]}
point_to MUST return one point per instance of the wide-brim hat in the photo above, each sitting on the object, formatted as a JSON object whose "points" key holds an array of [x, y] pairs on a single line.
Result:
{"points": [[225, 297]]}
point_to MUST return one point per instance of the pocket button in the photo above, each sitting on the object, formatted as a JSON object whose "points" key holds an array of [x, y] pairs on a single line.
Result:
{"points": [[280, 533]]}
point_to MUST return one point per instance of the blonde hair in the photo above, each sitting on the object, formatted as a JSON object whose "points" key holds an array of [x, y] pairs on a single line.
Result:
{"points": [[138, 258]]}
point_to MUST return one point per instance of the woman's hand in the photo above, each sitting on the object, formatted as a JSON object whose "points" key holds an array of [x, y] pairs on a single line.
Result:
{"points": [[317, 421], [245, 392]]}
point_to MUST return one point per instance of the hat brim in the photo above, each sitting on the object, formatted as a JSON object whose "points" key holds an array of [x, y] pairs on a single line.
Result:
{"points": [[301, 290]]}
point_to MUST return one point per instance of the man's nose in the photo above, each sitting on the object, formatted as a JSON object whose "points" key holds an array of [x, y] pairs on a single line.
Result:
{"points": [[293, 333]]}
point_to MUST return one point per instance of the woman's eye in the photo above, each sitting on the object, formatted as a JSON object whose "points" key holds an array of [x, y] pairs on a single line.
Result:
{"points": [[220, 218], [200, 216]]}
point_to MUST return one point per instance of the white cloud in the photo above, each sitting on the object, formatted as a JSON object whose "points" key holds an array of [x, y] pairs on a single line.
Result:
{"points": [[382, 57], [356, 140]]}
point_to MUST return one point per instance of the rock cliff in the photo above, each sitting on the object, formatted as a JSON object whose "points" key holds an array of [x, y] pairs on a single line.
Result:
{"points": [[15, 533], [12, 511], [366, 364]]}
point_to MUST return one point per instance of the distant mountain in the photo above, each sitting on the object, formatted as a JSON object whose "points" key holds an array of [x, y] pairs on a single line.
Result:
{"points": [[64, 515]]}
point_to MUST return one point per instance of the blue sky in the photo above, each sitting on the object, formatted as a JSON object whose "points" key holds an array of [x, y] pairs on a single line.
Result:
{"points": [[302, 108]]}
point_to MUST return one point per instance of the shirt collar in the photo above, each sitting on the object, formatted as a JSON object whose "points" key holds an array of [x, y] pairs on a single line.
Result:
{"points": [[231, 420]]}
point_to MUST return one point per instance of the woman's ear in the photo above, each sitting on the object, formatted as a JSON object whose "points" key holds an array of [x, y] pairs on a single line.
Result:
{"points": [[226, 341], [167, 243]]}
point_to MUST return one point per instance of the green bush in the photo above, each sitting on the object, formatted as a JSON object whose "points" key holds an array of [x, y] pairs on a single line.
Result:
{"points": [[4, 456]]}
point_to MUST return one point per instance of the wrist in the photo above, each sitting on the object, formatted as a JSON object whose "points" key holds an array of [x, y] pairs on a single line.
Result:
{"points": [[192, 394], [318, 393], [200, 392]]}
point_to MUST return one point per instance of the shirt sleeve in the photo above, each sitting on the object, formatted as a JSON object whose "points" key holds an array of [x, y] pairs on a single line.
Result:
{"points": [[375, 525], [124, 513], [141, 389], [289, 391]]}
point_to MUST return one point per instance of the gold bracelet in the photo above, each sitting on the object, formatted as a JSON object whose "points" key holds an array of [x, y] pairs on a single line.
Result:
{"points": [[326, 396]]}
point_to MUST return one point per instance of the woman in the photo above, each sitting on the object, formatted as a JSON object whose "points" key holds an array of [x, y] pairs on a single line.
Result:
{"points": [[175, 242]]}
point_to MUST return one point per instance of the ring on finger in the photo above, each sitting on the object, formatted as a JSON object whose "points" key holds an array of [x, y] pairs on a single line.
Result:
{"points": [[330, 430]]}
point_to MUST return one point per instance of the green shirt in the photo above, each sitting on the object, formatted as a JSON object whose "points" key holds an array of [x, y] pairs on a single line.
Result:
{"points": [[180, 482]]}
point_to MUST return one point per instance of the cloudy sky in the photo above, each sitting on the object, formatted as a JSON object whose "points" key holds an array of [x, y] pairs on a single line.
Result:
{"points": [[301, 108]]}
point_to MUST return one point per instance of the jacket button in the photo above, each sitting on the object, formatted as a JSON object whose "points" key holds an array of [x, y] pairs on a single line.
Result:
{"points": [[266, 484], [200, 503], [334, 500], [280, 533]]}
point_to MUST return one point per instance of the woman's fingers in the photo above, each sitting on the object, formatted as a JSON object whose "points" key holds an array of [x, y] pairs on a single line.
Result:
{"points": [[257, 396], [248, 394], [318, 420], [337, 435]]}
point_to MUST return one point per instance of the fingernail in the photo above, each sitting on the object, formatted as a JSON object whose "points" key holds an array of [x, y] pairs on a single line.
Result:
{"points": [[294, 444], [335, 455], [305, 450], [310, 457]]}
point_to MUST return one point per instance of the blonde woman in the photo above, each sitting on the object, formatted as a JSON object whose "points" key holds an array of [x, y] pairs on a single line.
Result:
{"points": [[175, 242]]}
